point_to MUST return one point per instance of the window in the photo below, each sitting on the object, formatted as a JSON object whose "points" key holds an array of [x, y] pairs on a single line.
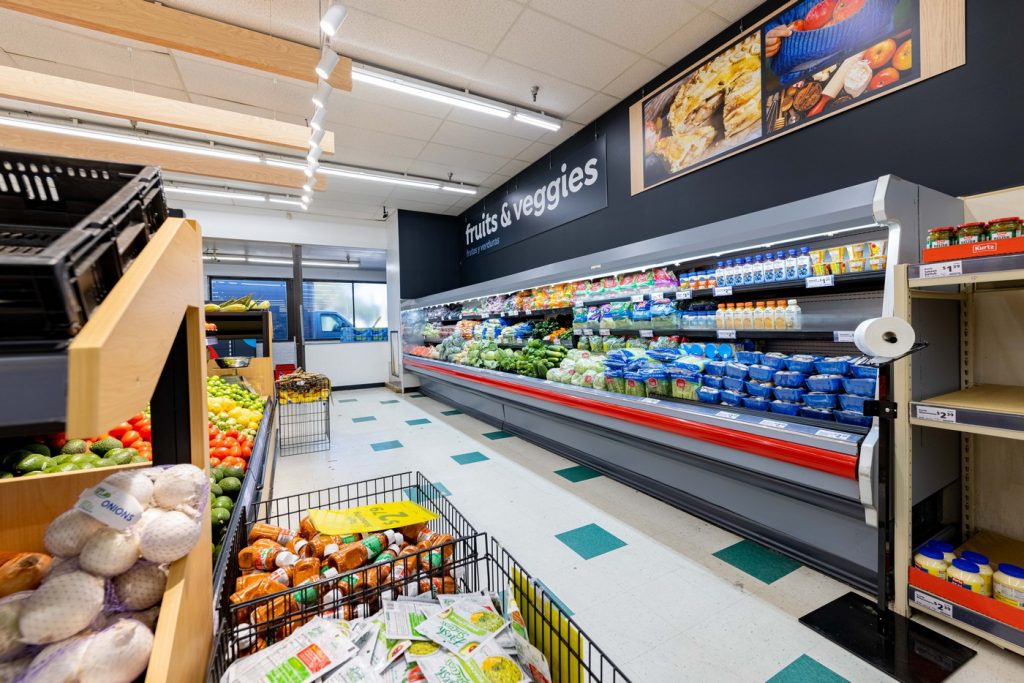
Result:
{"points": [[274, 291], [371, 304], [341, 310]]}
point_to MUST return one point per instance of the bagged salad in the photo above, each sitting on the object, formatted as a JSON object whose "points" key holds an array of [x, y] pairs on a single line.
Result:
{"points": [[663, 314]]}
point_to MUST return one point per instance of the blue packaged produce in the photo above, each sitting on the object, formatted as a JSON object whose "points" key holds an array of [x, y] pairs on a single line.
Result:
{"points": [[849, 417], [579, 314], [819, 399], [713, 381], [634, 384], [663, 314], [640, 313], [775, 360], [692, 363], [786, 408], [737, 370], [759, 389], [839, 365], [732, 398], [852, 403], [802, 363], [715, 367], [655, 378], [817, 413], [864, 371], [762, 373], [734, 384], [709, 395], [594, 315], [789, 378], [694, 349], [755, 403], [683, 383], [614, 381], [789, 394], [860, 386], [830, 383], [749, 357]]}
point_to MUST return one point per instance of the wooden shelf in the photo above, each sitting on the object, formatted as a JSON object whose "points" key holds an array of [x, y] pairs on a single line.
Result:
{"points": [[991, 409], [1006, 269]]}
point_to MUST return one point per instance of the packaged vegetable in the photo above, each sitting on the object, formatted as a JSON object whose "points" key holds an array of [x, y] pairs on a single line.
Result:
{"points": [[640, 314], [609, 284], [614, 381], [596, 343], [11, 646], [684, 383], [664, 278], [634, 384], [599, 381], [582, 289], [626, 281], [644, 280], [655, 378], [61, 607], [663, 314]]}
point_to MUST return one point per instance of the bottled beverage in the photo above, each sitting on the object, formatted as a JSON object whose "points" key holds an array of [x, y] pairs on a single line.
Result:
{"points": [[769, 267], [803, 264], [791, 264], [436, 586], [747, 317], [692, 279], [780, 314], [748, 271], [276, 534], [353, 555], [702, 279], [759, 316], [720, 273], [769, 315], [730, 317], [265, 554], [758, 273], [730, 273], [780, 266], [793, 316], [712, 279], [720, 317]]}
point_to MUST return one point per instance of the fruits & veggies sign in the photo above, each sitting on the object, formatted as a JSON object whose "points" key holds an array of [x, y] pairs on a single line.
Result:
{"points": [[806, 62]]}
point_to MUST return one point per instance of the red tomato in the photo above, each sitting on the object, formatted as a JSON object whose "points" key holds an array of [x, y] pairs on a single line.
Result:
{"points": [[214, 462], [221, 452], [146, 432], [229, 441], [844, 9], [883, 78], [235, 451], [149, 456], [119, 431], [213, 431], [246, 451], [819, 15], [233, 433], [130, 437], [234, 461], [137, 417]]}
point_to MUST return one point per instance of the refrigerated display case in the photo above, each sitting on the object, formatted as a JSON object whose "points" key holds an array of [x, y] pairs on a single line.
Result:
{"points": [[806, 486]]}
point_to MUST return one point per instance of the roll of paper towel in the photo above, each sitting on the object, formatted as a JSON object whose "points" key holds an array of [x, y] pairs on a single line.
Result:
{"points": [[884, 337]]}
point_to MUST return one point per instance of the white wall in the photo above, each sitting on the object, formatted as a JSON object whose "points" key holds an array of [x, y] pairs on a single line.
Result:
{"points": [[308, 272], [348, 364]]}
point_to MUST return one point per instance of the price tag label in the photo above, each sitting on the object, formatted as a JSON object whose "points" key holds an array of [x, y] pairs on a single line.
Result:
{"points": [[527, 311], [726, 334], [587, 331], [723, 291], [726, 415], [774, 423], [684, 295], [936, 414], [843, 337], [604, 333], [934, 604], [829, 434], [650, 400], [942, 269], [820, 281], [548, 381], [647, 333], [656, 294], [636, 298], [369, 518]]}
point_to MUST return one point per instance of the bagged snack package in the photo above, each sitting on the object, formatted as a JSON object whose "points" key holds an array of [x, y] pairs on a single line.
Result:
{"points": [[356, 670], [311, 651], [485, 664], [665, 279], [463, 626], [402, 618], [644, 280]]}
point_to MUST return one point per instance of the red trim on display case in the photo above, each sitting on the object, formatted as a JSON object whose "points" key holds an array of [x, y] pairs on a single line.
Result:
{"points": [[831, 462]]}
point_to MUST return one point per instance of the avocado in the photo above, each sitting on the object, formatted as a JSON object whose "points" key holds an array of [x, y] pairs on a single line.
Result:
{"points": [[73, 446], [230, 486], [62, 458], [6, 475], [33, 463], [11, 460], [41, 449], [138, 458], [223, 502], [67, 467], [121, 456], [34, 472], [216, 490], [104, 462], [80, 458], [104, 445], [217, 473], [236, 472]]}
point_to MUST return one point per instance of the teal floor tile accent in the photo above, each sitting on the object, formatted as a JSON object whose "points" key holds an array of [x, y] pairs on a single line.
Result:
{"points": [[498, 435], [385, 445], [590, 541], [345, 400], [394, 400], [415, 395], [578, 473], [368, 418], [806, 669], [420, 421], [760, 562], [451, 412], [442, 488], [469, 458], [413, 493], [554, 598]]}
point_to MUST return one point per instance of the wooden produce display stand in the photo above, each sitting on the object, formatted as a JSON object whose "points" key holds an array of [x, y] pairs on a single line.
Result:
{"points": [[146, 337]]}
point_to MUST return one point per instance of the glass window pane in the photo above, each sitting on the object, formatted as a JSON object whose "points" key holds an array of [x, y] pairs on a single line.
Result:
{"points": [[371, 304], [274, 291], [327, 309]]}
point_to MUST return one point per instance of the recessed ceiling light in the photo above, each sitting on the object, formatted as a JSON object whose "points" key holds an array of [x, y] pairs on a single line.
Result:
{"points": [[379, 178], [333, 18]]}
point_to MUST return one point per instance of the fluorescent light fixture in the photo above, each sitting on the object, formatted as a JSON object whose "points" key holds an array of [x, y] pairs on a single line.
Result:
{"points": [[126, 139], [538, 120], [287, 201], [271, 261], [333, 18], [460, 190], [428, 91], [331, 264], [379, 178], [285, 163], [222, 257], [317, 121], [328, 61], [323, 92], [223, 194]]}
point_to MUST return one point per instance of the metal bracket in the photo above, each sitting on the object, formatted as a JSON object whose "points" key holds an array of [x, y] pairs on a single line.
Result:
{"points": [[885, 410], [879, 361]]}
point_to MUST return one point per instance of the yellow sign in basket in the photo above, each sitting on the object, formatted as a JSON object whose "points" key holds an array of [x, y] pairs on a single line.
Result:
{"points": [[369, 518]]}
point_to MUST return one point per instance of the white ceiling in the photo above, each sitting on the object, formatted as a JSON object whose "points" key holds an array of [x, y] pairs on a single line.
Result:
{"points": [[585, 55]]}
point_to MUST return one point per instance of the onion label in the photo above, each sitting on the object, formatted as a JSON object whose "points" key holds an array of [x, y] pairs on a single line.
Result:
{"points": [[116, 508]]}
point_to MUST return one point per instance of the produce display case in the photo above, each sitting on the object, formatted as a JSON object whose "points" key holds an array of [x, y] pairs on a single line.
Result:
{"points": [[808, 487], [238, 327]]}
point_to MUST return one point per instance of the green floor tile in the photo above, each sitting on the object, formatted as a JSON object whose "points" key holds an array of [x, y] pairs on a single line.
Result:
{"points": [[415, 395], [590, 541], [345, 400], [469, 458], [578, 473], [451, 412], [385, 445], [413, 492], [760, 562], [805, 669], [420, 421], [368, 418], [393, 400], [498, 435]]}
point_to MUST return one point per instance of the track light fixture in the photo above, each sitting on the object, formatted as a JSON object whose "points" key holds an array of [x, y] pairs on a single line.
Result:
{"points": [[327, 63], [323, 92], [333, 18], [317, 122]]}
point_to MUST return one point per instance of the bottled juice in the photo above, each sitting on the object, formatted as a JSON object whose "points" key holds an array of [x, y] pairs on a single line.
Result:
{"points": [[720, 273], [793, 316], [780, 314], [443, 585], [748, 270], [271, 532], [758, 277], [353, 555], [720, 317], [759, 316], [769, 267], [780, 266], [791, 264], [265, 554], [730, 316], [306, 569], [748, 316], [803, 263], [729, 274], [769, 315]]}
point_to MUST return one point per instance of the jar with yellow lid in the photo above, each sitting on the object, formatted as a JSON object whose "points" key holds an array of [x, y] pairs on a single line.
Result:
{"points": [[941, 237], [983, 567], [1008, 585], [965, 574], [970, 233], [930, 560], [1005, 228]]}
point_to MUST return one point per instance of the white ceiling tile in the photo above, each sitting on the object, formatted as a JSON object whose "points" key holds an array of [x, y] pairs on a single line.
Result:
{"points": [[73, 72], [413, 205], [231, 105], [350, 137], [440, 171], [479, 24], [734, 10], [5, 59], [534, 152], [297, 20], [161, 91], [438, 199], [703, 4], [348, 110], [493, 123], [469, 137], [594, 107], [636, 27], [551, 46], [513, 167], [633, 78], [250, 14], [461, 158], [496, 179], [688, 38], [511, 82], [370, 159]]}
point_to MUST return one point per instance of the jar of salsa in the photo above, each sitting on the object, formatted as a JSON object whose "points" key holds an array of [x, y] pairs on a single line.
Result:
{"points": [[1004, 228], [970, 233], [941, 237]]}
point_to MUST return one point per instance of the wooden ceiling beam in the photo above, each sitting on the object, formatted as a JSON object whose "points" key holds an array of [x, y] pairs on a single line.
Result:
{"points": [[176, 30], [29, 86]]}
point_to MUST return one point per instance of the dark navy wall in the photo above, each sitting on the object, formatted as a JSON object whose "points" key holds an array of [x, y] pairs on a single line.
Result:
{"points": [[429, 246]]}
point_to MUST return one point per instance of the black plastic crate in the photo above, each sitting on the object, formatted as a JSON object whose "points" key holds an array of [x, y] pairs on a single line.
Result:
{"points": [[482, 565], [69, 228]]}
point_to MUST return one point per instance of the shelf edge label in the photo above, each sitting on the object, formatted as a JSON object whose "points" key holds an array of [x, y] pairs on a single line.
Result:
{"points": [[946, 269], [829, 434], [843, 336], [726, 334], [774, 423], [936, 414], [684, 295], [723, 291], [605, 332], [587, 331], [820, 281], [636, 298], [647, 333], [724, 414], [934, 604]]}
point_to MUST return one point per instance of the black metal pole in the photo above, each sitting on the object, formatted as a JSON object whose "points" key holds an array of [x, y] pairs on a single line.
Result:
{"points": [[295, 306]]}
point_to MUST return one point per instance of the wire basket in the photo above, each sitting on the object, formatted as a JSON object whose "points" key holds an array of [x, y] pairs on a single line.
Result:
{"points": [[571, 654], [304, 427]]}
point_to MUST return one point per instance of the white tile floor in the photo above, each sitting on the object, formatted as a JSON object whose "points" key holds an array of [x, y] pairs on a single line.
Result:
{"points": [[704, 619]]}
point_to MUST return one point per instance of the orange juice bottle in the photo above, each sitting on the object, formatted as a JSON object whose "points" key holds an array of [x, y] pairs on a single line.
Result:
{"points": [[265, 557], [353, 555], [271, 532], [438, 585]]}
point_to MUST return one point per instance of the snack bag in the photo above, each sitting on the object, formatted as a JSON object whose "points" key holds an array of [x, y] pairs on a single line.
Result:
{"points": [[463, 626], [644, 280]]}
